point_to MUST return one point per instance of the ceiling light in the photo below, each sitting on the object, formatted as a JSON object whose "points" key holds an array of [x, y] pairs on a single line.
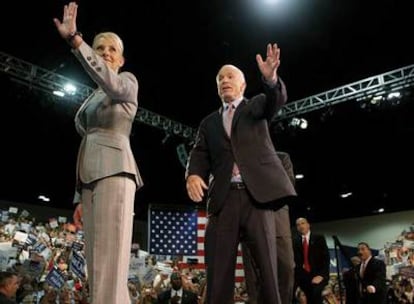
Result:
{"points": [[345, 195], [59, 93], [43, 198], [376, 100], [393, 95], [70, 89]]}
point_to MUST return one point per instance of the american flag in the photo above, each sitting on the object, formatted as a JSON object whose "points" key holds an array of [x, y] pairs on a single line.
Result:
{"points": [[180, 231], [172, 231], [199, 257]]}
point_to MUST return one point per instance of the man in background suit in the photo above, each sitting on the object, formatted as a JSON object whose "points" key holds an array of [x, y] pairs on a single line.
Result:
{"points": [[351, 281], [285, 259], [311, 268], [372, 275], [238, 161], [177, 294]]}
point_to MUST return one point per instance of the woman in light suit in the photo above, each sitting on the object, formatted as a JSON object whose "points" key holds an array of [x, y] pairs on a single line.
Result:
{"points": [[106, 171]]}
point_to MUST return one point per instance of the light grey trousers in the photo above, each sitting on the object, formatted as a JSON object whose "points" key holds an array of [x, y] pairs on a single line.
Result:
{"points": [[108, 208]]}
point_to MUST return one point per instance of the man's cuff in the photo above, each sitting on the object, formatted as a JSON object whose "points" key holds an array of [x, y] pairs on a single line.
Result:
{"points": [[271, 84], [372, 287]]}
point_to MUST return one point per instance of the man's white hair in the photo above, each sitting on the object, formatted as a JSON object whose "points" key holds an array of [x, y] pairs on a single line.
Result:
{"points": [[234, 68]]}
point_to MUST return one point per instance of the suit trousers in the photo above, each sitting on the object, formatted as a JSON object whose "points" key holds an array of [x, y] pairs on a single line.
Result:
{"points": [[285, 262], [108, 207], [239, 216], [312, 291]]}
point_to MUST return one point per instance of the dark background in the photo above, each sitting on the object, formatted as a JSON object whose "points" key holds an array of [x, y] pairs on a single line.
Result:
{"points": [[175, 49]]}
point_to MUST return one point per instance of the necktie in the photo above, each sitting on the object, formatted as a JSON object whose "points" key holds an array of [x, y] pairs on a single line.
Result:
{"points": [[227, 120], [363, 265], [361, 276], [306, 264]]}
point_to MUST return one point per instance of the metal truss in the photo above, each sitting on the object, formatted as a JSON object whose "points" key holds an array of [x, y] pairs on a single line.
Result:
{"points": [[364, 89], [47, 81]]}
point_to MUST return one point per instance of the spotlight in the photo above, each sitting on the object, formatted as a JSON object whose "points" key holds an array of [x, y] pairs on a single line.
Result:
{"points": [[70, 89], [303, 123], [346, 194], [43, 198], [299, 123], [393, 95], [376, 100], [59, 93], [394, 98], [294, 122]]}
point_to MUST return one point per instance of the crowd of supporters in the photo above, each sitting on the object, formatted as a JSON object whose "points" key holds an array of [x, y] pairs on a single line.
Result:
{"points": [[49, 260]]}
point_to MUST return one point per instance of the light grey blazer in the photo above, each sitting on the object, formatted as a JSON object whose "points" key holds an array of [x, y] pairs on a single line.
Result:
{"points": [[104, 121]]}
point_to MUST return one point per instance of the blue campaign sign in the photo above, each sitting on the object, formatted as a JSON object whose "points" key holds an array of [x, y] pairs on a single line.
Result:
{"points": [[55, 278], [77, 246], [77, 265], [31, 239], [39, 247]]}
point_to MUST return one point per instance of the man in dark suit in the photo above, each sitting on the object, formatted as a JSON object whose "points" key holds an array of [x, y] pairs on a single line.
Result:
{"points": [[285, 260], [350, 278], [176, 294], [311, 262], [238, 161], [372, 275]]}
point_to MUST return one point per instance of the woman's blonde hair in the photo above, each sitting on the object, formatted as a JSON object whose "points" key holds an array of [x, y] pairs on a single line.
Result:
{"points": [[109, 35]]}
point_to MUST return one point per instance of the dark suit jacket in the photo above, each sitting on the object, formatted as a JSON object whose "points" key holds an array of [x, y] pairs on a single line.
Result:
{"points": [[319, 258], [375, 275], [284, 237], [214, 153], [5, 300], [351, 283], [189, 297]]}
